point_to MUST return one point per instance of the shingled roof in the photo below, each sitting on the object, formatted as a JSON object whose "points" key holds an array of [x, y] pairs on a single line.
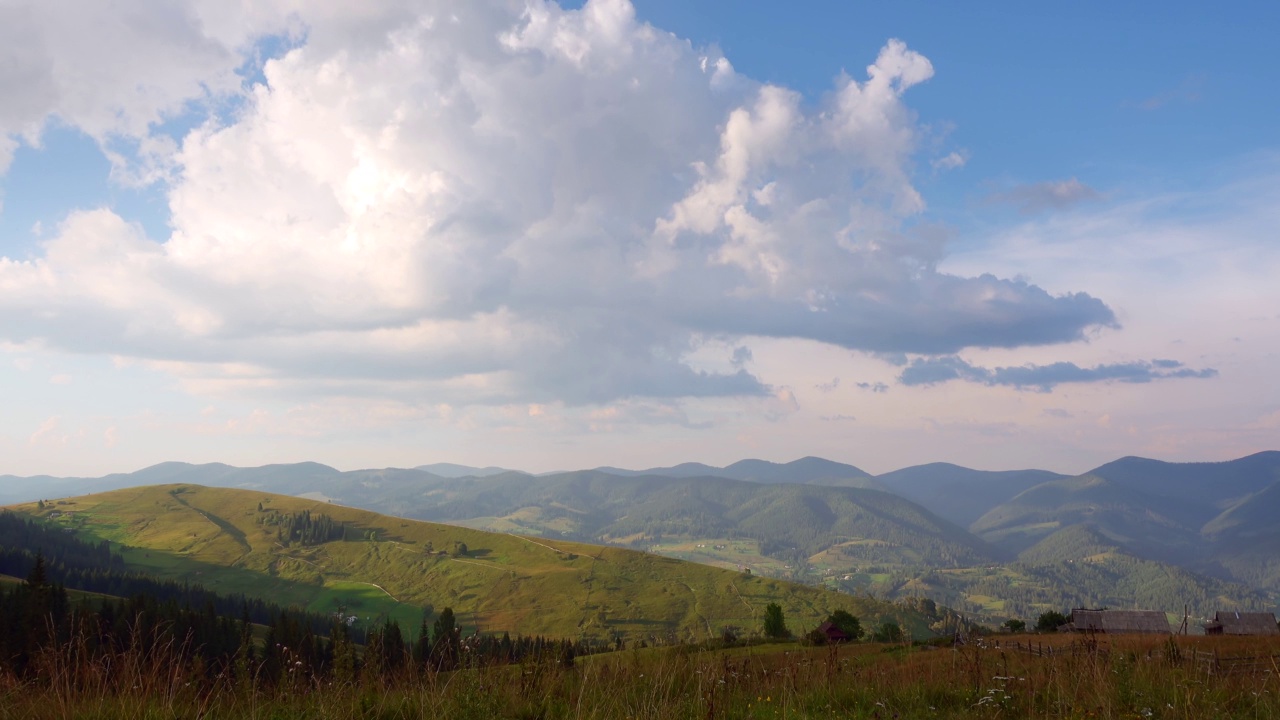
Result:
{"points": [[1117, 621], [1229, 622], [833, 633]]}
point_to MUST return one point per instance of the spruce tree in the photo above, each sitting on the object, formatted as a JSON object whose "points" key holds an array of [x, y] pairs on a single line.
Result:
{"points": [[775, 625], [422, 648], [444, 645]]}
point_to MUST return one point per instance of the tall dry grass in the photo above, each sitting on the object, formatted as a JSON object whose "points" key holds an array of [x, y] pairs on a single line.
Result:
{"points": [[1119, 678]]}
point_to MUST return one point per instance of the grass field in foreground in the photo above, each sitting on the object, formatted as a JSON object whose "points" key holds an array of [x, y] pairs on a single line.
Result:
{"points": [[1154, 677]]}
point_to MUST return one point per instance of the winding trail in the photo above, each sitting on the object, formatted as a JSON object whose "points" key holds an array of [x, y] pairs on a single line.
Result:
{"points": [[359, 582], [697, 609], [535, 542], [739, 594]]}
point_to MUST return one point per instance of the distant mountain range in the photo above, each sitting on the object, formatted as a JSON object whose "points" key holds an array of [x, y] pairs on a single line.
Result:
{"points": [[1204, 530], [808, 470], [450, 470]]}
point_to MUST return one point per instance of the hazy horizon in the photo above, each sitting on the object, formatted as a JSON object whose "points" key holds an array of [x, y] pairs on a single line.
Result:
{"points": [[550, 471]]}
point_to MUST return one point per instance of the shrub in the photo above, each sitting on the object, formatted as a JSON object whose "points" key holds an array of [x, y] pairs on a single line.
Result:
{"points": [[1050, 621], [775, 626], [888, 632]]}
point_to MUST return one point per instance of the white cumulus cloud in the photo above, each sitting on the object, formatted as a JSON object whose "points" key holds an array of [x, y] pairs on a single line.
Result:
{"points": [[115, 70], [494, 202]]}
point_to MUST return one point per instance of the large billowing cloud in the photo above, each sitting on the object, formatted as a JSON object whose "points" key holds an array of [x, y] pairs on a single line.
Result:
{"points": [[506, 201]]}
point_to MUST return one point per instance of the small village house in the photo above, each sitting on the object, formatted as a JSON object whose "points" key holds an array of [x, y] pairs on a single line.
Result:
{"points": [[1229, 622], [1113, 622], [833, 633]]}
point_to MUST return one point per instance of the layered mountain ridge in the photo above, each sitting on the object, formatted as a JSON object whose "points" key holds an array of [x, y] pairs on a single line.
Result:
{"points": [[821, 521]]}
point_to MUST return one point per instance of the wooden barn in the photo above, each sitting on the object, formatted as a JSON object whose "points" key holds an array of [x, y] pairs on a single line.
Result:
{"points": [[833, 633], [1148, 622], [1229, 622]]}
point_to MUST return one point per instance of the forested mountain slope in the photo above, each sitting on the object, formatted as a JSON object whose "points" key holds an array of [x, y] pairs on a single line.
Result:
{"points": [[807, 470], [1213, 518], [957, 493]]}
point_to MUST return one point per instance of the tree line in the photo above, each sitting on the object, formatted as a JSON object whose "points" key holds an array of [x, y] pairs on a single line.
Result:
{"points": [[303, 528], [71, 563], [46, 635]]}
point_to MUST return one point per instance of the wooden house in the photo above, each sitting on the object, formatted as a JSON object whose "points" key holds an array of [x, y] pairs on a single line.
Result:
{"points": [[833, 633], [1229, 622], [1149, 622]]}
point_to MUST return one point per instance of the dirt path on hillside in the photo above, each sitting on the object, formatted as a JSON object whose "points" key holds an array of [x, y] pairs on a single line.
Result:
{"points": [[697, 609], [478, 564], [535, 542], [232, 531], [739, 594], [359, 582]]}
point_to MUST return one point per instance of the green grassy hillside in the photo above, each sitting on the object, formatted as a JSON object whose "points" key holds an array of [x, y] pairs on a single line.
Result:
{"points": [[229, 541], [1077, 542], [791, 521], [1212, 520]]}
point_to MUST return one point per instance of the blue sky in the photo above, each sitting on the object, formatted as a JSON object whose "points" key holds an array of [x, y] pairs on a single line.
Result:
{"points": [[548, 237], [1087, 78]]}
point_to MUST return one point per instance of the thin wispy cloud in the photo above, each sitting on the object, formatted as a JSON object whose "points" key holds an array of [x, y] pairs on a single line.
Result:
{"points": [[1044, 378], [951, 161], [1040, 197], [1190, 90]]}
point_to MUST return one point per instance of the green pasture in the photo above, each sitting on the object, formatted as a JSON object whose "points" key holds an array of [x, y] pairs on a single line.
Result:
{"points": [[220, 538]]}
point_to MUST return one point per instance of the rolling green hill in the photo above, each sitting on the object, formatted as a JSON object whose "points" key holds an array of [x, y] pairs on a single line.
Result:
{"points": [[959, 494], [1245, 538], [1215, 519], [821, 522], [1072, 543], [1161, 526], [239, 541], [791, 520], [1213, 486]]}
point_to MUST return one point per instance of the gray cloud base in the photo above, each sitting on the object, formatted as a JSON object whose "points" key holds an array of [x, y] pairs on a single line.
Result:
{"points": [[935, 370]]}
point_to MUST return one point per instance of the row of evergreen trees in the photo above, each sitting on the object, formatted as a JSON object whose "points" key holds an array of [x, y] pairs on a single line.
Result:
{"points": [[303, 528], [69, 562], [44, 636]]}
